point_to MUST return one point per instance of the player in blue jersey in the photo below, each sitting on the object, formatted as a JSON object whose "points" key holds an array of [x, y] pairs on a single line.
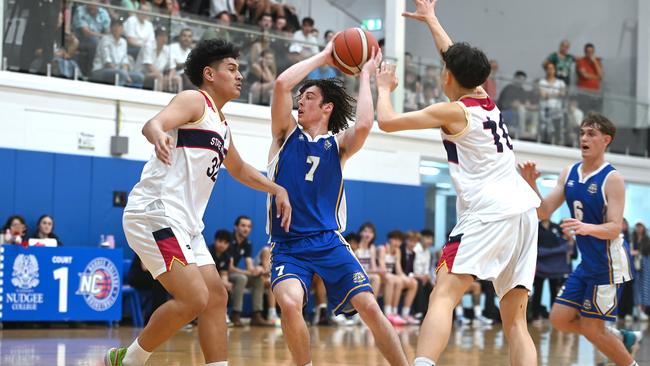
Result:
{"points": [[307, 158], [595, 194]]}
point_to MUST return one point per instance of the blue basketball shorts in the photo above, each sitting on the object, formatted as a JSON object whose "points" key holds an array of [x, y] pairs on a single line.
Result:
{"points": [[592, 298], [327, 255]]}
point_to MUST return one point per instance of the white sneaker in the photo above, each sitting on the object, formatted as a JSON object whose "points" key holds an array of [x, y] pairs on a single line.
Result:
{"points": [[628, 318], [483, 320], [340, 319], [461, 320]]}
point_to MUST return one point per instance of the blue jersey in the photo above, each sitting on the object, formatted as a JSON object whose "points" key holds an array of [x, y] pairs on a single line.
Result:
{"points": [[604, 261], [310, 171]]}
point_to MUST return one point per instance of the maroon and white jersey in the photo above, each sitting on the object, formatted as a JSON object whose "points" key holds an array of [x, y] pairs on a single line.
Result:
{"points": [[184, 188], [482, 165]]}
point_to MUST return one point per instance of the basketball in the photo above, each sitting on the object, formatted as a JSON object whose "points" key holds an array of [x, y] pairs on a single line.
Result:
{"points": [[352, 48]]}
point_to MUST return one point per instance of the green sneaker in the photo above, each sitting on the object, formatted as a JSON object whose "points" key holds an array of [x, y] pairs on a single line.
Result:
{"points": [[631, 339], [114, 357]]}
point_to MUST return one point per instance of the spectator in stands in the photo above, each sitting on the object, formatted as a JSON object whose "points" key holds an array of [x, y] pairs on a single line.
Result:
{"points": [[14, 231], [590, 73], [179, 52], [45, 229], [251, 276], [641, 243], [151, 290], [366, 253], [111, 59], [409, 250], [263, 263], [261, 43], [262, 75], [422, 272], [63, 63], [353, 239], [156, 63], [325, 71], [563, 62], [305, 44], [430, 95], [90, 23], [412, 90], [131, 4], [221, 255], [223, 19], [490, 84], [552, 264], [515, 105], [167, 7], [574, 118], [220, 6], [279, 24], [396, 281], [459, 312], [138, 30], [551, 91]]}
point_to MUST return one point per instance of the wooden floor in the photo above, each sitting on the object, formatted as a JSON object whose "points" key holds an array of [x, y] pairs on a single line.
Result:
{"points": [[265, 346]]}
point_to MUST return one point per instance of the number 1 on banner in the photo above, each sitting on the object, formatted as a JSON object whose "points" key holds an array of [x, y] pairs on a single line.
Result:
{"points": [[61, 274]]}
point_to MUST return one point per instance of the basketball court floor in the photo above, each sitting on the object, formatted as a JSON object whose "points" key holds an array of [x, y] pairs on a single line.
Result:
{"points": [[265, 346]]}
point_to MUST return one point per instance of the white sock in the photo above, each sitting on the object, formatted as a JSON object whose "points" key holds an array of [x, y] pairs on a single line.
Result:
{"points": [[634, 363], [477, 311], [273, 314], [135, 355], [615, 332], [406, 311], [308, 364], [423, 361], [218, 363], [459, 312], [388, 310]]}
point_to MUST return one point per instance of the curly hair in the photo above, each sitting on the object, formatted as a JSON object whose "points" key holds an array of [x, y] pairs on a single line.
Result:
{"points": [[205, 54], [468, 64], [334, 92], [601, 123]]}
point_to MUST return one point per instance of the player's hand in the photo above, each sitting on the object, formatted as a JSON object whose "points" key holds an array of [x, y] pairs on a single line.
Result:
{"points": [[529, 172], [424, 10], [373, 63], [164, 145], [573, 227], [386, 77], [283, 208], [327, 53]]}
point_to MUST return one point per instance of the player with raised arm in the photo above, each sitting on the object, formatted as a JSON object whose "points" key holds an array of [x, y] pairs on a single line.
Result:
{"points": [[307, 156], [595, 194], [163, 219], [495, 237]]}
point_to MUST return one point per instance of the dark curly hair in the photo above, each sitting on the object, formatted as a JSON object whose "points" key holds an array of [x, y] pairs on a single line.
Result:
{"points": [[468, 64], [334, 92], [205, 54]]}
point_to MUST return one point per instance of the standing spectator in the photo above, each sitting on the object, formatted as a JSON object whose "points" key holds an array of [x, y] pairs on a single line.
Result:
{"points": [[179, 52], [111, 59], [15, 231], [156, 63], [262, 76], [138, 30], [551, 91], [90, 22], [490, 84], [45, 229], [563, 62], [590, 72], [251, 276], [305, 44], [641, 243], [219, 6], [423, 273], [574, 118], [552, 263]]}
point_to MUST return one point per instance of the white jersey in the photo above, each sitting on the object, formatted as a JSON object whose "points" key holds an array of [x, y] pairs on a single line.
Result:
{"points": [[184, 188], [483, 168]]}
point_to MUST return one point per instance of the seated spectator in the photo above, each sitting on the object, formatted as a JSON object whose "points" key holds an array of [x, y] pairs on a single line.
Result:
{"points": [[305, 44], [138, 30], [63, 63], [263, 263], [179, 52], [353, 240], [223, 19], [395, 281], [251, 276], [166, 7], [261, 43], [475, 290], [423, 272], [279, 24], [45, 229], [367, 255], [262, 75], [325, 71], [221, 255], [15, 231], [551, 92], [408, 249], [250, 11], [430, 95], [131, 4], [412, 90], [490, 84], [111, 59], [574, 118], [515, 102], [590, 73], [563, 62], [220, 6], [149, 289], [90, 22], [157, 65]]}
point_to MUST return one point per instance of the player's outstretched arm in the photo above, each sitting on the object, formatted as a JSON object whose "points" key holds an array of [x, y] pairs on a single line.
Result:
{"points": [[611, 229], [187, 106], [425, 12], [249, 176], [553, 200], [352, 139], [282, 122]]}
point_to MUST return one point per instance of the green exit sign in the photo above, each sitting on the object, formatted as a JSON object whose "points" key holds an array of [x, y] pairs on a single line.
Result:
{"points": [[372, 24]]}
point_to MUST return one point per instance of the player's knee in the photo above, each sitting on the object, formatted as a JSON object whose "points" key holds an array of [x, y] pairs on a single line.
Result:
{"points": [[558, 321], [219, 296], [289, 303], [196, 303]]}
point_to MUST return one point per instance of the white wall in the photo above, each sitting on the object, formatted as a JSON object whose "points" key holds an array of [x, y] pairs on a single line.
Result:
{"points": [[47, 114]]}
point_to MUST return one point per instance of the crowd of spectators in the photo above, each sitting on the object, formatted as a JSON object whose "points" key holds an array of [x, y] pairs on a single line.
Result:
{"points": [[15, 231]]}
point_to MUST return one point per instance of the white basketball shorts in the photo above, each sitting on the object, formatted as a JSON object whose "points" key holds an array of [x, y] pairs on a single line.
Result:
{"points": [[504, 251], [161, 242]]}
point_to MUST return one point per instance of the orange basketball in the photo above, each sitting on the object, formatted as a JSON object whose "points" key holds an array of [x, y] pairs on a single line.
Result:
{"points": [[352, 48]]}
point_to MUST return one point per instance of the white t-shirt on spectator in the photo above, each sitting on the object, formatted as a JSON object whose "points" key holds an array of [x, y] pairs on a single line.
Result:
{"points": [[161, 61], [422, 262], [143, 32], [217, 6], [179, 55], [110, 51], [299, 47], [553, 90]]}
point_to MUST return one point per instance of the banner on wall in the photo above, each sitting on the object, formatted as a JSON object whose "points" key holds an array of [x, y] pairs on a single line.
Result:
{"points": [[60, 284]]}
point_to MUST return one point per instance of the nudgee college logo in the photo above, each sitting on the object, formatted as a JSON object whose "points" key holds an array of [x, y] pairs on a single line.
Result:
{"points": [[99, 284], [25, 273]]}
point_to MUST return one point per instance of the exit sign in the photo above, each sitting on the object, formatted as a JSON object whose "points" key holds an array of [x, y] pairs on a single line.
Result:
{"points": [[372, 24]]}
